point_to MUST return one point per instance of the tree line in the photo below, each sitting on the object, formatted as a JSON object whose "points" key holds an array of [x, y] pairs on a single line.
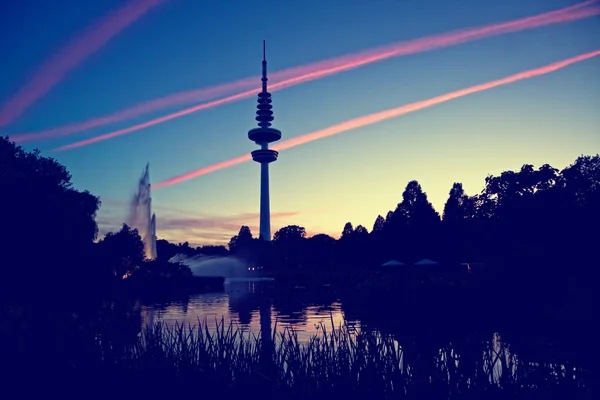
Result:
{"points": [[536, 223], [543, 216]]}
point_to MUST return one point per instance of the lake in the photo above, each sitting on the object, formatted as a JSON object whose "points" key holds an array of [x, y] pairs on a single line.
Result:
{"points": [[430, 331], [456, 344], [248, 304], [255, 306]]}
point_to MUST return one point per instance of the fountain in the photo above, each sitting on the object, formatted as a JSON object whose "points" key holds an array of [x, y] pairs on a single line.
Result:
{"points": [[141, 217], [229, 267]]}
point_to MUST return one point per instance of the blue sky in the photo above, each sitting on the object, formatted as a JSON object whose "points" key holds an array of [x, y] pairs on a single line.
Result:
{"points": [[187, 44]]}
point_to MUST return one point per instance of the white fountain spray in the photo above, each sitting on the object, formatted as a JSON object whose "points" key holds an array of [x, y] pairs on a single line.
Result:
{"points": [[141, 217], [231, 268], [226, 266]]}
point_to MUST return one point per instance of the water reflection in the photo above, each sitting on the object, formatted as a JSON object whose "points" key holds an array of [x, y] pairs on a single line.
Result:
{"points": [[401, 350], [252, 306], [464, 357]]}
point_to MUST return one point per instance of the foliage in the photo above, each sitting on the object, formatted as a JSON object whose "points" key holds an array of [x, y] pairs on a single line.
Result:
{"points": [[529, 223], [348, 230], [167, 250], [379, 224], [39, 203], [361, 231], [162, 269], [525, 225], [290, 233], [337, 361], [457, 207], [242, 241], [210, 250], [122, 251]]}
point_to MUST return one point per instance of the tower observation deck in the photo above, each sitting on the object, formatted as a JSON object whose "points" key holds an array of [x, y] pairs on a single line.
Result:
{"points": [[262, 136]]}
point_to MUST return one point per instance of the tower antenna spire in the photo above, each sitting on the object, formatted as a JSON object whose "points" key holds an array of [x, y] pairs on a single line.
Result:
{"points": [[264, 67]]}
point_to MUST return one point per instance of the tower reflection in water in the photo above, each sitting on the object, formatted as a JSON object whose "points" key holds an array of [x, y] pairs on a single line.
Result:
{"points": [[251, 306]]}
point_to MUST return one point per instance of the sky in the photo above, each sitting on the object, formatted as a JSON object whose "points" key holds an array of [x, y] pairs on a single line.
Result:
{"points": [[158, 48]]}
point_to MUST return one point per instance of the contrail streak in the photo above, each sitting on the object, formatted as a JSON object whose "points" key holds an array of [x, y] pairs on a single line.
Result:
{"points": [[383, 115], [81, 47], [305, 73]]}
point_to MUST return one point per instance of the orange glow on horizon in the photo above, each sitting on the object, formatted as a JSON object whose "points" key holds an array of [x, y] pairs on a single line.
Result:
{"points": [[305, 73], [383, 115], [54, 70]]}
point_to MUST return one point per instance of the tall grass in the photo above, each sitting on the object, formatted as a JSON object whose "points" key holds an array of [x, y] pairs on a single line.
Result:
{"points": [[338, 361]]}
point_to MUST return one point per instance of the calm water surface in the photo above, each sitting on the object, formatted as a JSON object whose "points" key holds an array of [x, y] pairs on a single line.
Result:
{"points": [[253, 306], [243, 302]]}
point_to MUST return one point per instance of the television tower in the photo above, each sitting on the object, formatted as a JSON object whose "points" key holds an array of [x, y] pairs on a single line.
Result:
{"points": [[262, 136]]}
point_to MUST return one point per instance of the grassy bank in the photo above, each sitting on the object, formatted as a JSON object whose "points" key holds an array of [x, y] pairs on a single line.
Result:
{"points": [[336, 362]]}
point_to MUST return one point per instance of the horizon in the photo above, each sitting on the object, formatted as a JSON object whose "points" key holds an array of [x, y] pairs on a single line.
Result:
{"points": [[546, 119]]}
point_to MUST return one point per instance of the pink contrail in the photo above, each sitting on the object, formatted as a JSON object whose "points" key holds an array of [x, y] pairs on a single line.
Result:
{"points": [[55, 69], [297, 75], [383, 115]]}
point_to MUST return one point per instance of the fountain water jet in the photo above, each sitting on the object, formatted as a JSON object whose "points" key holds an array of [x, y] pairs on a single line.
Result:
{"points": [[229, 267], [141, 217]]}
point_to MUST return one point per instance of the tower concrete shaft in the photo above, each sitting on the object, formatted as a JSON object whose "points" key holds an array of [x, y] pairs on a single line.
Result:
{"points": [[265, 204], [262, 136]]}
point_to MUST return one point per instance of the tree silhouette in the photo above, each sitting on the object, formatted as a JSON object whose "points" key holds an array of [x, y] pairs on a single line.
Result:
{"points": [[420, 222], [232, 245], [166, 250], [318, 251], [39, 203], [290, 233], [455, 208], [212, 250], [242, 241], [361, 232], [458, 210], [378, 225], [582, 179], [322, 239], [353, 246], [348, 230], [288, 245], [579, 228], [418, 209], [186, 249], [536, 228], [378, 242], [123, 251], [245, 235], [160, 268], [389, 216]]}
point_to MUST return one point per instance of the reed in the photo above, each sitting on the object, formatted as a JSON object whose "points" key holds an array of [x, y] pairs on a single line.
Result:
{"points": [[337, 361]]}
